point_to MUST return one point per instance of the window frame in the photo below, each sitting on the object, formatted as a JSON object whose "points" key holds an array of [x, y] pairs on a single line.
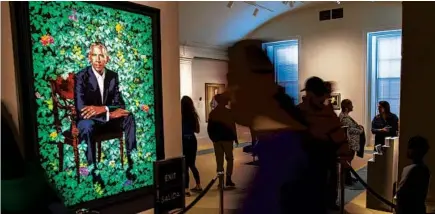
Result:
{"points": [[275, 45], [373, 67]]}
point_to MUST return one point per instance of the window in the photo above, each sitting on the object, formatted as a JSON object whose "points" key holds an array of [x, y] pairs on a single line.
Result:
{"points": [[284, 56], [384, 61]]}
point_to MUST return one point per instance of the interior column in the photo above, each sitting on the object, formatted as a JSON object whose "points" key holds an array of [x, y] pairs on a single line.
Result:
{"points": [[186, 76], [417, 105]]}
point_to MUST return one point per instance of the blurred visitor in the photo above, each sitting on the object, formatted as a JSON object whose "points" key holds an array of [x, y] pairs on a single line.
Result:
{"points": [[327, 140], [413, 186], [280, 183], [23, 184], [190, 126], [354, 130], [385, 124], [222, 131]]}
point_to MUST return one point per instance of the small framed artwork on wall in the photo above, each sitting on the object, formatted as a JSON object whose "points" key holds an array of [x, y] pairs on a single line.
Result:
{"points": [[211, 90], [336, 100]]}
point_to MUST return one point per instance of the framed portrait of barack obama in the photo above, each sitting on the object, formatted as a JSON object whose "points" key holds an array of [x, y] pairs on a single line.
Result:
{"points": [[90, 95]]}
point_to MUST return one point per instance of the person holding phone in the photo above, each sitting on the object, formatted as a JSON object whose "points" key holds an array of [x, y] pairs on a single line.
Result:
{"points": [[385, 124]]}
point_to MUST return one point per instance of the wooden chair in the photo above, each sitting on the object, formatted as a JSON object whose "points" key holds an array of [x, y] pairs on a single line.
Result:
{"points": [[62, 94]]}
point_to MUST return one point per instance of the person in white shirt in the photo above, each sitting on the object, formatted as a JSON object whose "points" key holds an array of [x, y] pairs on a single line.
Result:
{"points": [[413, 186], [100, 107]]}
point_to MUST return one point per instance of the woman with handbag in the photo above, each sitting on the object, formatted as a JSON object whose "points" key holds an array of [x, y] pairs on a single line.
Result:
{"points": [[354, 131]]}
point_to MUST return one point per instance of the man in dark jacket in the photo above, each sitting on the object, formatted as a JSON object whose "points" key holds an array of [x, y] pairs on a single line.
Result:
{"points": [[222, 132], [327, 138]]}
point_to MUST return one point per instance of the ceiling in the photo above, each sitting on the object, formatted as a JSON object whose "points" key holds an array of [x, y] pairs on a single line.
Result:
{"points": [[213, 24]]}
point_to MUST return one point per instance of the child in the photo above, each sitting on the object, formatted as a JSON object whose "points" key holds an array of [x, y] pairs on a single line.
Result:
{"points": [[413, 187]]}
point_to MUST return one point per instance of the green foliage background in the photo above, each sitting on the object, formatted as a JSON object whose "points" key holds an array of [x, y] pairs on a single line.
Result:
{"points": [[62, 32]]}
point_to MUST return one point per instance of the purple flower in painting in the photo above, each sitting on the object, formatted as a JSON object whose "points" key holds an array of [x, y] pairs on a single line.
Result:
{"points": [[73, 16], [128, 183], [84, 171]]}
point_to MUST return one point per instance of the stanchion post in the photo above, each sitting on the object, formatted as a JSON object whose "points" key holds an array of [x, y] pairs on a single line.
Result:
{"points": [[221, 192], [340, 180]]}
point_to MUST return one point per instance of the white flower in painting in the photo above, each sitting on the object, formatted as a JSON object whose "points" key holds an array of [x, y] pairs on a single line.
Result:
{"points": [[148, 154], [64, 76]]}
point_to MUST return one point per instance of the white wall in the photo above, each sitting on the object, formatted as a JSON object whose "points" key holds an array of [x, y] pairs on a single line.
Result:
{"points": [[335, 49], [170, 72], [206, 71]]}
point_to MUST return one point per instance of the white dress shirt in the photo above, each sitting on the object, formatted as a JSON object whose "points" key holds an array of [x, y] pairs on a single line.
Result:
{"points": [[100, 80]]}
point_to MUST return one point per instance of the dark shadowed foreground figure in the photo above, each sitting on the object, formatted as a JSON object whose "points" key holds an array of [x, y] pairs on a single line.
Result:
{"points": [[23, 183], [414, 183], [282, 183]]}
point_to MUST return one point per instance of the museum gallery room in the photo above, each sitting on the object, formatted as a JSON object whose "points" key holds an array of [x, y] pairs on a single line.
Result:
{"points": [[91, 111]]}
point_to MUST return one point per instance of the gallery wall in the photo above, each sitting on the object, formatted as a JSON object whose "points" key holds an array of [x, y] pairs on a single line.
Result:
{"points": [[206, 71], [170, 73], [335, 49]]}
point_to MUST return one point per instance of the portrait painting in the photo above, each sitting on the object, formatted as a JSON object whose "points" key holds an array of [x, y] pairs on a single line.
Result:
{"points": [[336, 100], [94, 69], [211, 90]]}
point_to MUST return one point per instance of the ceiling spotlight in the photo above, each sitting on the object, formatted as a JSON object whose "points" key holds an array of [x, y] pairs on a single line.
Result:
{"points": [[230, 4], [338, 2], [255, 12]]}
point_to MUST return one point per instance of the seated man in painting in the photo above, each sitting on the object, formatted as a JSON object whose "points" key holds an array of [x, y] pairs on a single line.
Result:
{"points": [[100, 106]]}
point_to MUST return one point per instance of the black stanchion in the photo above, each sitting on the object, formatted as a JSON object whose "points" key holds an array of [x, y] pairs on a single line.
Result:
{"points": [[341, 186], [221, 192], [199, 197]]}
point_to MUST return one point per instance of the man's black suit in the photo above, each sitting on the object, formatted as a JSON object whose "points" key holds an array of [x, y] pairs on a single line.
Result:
{"points": [[87, 93]]}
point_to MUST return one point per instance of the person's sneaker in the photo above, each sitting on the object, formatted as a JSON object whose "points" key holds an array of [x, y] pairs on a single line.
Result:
{"points": [[229, 182], [188, 194], [196, 189]]}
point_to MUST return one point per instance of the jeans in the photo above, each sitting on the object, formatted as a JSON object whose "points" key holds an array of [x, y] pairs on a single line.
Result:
{"points": [[190, 147], [224, 149]]}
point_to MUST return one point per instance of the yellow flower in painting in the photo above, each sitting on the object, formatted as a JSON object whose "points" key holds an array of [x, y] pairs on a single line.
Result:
{"points": [[83, 165], [50, 104], [112, 163], [77, 49], [118, 28], [125, 161], [98, 189], [62, 52], [53, 135], [144, 57], [137, 103]]}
